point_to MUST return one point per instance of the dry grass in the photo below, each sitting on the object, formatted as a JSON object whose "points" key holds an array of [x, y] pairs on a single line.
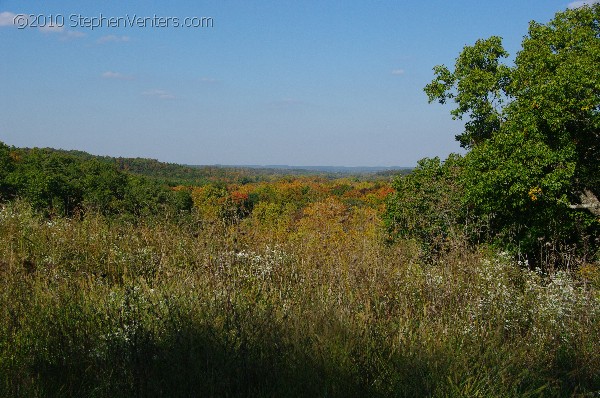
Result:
{"points": [[313, 305]]}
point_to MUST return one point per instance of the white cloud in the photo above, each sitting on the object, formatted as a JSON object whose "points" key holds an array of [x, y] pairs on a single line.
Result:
{"points": [[113, 39], [52, 29], [7, 18], [398, 72], [160, 94], [116, 76], [581, 3], [72, 34]]}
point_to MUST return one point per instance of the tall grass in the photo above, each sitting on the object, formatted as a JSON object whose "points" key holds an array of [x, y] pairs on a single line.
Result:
{"points": [[98, 307]]}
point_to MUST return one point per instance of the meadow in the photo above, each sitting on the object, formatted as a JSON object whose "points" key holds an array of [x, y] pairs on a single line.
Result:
{"points": [[309, 301]]}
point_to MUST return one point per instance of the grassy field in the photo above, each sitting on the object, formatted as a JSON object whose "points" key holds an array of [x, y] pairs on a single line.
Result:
{"points": [[316, 306]]}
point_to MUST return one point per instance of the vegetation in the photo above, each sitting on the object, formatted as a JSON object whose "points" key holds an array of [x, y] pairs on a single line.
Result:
{"points": [[174, 174], [531, 174], [312, 305], [63, 184], [124, 277], [426, 206]]}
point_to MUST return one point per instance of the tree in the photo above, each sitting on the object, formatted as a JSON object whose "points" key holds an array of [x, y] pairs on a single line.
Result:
{"points": [[478, 85], [557, 86], [533, 133], [48, 181], [6, 167], [103, 186]]}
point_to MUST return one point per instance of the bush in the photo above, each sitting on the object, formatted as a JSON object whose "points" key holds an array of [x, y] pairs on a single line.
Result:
{"points": [[426, 205]]}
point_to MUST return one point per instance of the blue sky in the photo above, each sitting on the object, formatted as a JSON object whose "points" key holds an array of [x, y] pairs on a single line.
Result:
{"points": [[271, 82]]}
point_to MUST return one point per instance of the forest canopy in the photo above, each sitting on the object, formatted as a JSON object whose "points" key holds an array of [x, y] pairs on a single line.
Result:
{"points": [[63, 184]]}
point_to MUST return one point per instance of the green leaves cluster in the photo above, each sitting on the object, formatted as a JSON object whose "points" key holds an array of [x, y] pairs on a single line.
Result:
{"points": [[533, 135], [426, 204], [479, 87]]}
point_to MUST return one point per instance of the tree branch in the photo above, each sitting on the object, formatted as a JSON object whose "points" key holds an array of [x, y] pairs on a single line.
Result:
{"points": [[589, 202]]}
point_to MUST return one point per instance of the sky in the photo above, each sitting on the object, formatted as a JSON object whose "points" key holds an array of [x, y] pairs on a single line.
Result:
{"points": [[305, 83]]}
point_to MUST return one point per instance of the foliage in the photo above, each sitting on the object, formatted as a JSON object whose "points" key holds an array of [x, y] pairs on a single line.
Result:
{"points": [[175, 174], [6, 167], [557, 91], [426, 205], [71, 182], [266, 202], [59, 183], [478, 86], [533, 135]]}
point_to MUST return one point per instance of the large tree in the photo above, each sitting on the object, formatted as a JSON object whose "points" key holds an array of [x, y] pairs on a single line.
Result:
{"points": [[533, 132]]}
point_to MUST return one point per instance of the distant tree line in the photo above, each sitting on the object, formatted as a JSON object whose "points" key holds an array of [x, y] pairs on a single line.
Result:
{"points": [[64, 184], [173, 174]]}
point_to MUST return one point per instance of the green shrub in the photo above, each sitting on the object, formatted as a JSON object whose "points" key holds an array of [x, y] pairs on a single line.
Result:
{"points": [[426, 205]]}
